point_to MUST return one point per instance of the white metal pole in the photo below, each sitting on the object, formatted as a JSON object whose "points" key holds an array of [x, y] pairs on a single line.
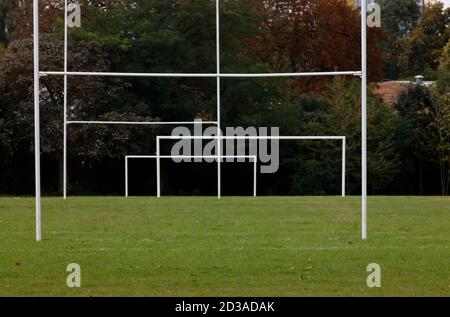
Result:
{"points": [[65, 106], [343, 165], [158, 171], [126, 176], [248, 137], [150, 123], [37, 134], [255, 166], [202, 75], [219, 141], [364, 116]]}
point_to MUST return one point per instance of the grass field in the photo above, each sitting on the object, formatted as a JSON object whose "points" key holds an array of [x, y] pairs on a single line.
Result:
{"points": [[239, 246]]}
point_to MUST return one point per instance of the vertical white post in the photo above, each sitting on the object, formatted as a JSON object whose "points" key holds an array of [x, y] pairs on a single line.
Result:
{"points": [[65, 106], [364, 117], [158, 171], [343, 164], [126, 176], [219, 140], [255, 166], [37, 134]]}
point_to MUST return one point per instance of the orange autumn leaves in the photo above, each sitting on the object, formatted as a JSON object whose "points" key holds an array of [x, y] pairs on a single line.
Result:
{"points": [[315, 35]]}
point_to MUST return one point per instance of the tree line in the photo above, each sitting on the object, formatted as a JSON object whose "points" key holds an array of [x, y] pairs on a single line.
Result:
{"points": [[409, 142]]}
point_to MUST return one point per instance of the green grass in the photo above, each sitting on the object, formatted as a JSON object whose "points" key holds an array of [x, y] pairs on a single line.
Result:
{"points": [[198, 246]]}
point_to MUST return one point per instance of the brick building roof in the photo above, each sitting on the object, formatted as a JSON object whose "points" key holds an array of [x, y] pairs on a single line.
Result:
{"points": [[390, 91]]}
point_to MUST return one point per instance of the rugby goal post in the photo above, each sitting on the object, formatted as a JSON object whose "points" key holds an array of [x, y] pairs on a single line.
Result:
{"points": [[37, 73]]}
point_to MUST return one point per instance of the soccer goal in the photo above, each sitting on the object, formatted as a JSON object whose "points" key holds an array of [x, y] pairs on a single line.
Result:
{"points": [[252, 158], [221, 138]]}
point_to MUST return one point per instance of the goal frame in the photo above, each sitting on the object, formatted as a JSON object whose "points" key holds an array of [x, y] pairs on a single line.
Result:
{"points": [[158, 184], [221, 138], [37, 73]]}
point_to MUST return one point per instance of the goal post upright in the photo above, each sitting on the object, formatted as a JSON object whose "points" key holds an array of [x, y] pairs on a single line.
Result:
{"points": [[37, 134], [218, 79], [158, 170], [255, 173], [364, 118], [344, 149], [65, 104], [126, 176]]}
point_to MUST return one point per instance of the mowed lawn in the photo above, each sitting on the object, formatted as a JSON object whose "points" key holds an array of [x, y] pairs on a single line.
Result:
{"points": [[238, 246]]}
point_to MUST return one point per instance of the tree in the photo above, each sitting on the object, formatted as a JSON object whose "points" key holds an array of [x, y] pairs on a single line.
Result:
{"points": [[413, 106], [19, 21], [3, 36], [337, 112], [423, 46], [85, 102], [179, 36], [383, 136], [426, 110], [399, 18], [160, 36], [440, 125], [315, 35]]}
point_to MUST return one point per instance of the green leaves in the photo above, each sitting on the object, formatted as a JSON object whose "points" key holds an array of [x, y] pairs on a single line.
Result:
{"points": [[399, 16], [338, 113], [3, 35]]}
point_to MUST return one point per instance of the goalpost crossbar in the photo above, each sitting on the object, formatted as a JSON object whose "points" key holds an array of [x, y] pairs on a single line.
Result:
{"points": [[202, 75], [141, 122]]}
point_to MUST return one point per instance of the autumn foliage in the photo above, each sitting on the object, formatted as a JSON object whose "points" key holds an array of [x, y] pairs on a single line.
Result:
{"points": [[19, 18], [315, 35]]}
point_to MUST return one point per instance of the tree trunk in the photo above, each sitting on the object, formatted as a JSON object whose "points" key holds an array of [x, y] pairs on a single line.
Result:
{"points": [[60, 174], [420, 177]]}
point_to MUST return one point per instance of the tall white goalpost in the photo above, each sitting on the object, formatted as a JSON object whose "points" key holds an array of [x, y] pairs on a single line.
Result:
{"points": [[218, 75], [364, 119]]}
